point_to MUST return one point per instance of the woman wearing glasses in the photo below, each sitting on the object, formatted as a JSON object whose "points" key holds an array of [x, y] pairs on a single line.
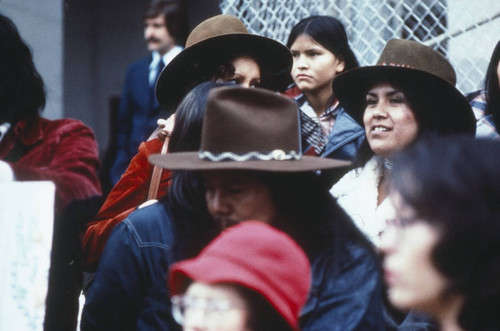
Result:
{"points": [[442, 248], [252, 277]]}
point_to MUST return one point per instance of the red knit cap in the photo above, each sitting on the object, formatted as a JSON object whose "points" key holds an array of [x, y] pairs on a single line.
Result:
{"points": [[257, 256]]}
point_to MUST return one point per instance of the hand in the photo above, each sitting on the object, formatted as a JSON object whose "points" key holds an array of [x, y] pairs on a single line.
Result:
{"points": [[166, 127]]}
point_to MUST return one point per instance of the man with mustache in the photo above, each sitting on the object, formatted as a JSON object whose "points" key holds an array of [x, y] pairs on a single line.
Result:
{"points": [[165, 32]]}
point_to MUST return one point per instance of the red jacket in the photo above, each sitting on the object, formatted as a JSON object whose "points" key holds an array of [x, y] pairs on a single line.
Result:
{"points": [[63, 151], [130, 192]]}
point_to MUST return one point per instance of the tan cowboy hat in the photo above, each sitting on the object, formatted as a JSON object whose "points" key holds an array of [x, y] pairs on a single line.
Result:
{"points": [[213, 42], [248, 129], [431, 76]]}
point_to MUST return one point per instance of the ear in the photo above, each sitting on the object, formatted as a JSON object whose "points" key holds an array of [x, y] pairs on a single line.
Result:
{"points": [[340, 65]]}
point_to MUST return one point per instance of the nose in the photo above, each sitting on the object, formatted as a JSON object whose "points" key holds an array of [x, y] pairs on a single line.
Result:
{"points": [[245, 83], [194, 320], [301, 62], [148, 31], [216, 203], [378, 110], [388, 239]]}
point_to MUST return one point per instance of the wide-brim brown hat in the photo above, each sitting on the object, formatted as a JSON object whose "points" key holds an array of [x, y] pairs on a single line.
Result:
{"points": [[431, 75], [248, 129], [215, 39]]}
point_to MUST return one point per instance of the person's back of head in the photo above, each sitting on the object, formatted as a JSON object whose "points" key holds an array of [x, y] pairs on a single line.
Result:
{"points": [[22, 92]]}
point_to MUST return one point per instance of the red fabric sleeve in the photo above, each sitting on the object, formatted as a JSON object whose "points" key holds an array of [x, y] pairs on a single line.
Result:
{"points": [[130, 191], [71, 161]]}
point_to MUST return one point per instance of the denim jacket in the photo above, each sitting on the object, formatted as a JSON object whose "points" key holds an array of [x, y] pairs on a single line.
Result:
{"points": [[130, 288], [345, 137], [129, 291]]}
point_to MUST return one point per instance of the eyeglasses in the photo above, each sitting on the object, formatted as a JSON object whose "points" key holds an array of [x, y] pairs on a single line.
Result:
{"points": [[401, 222], [183, 305]]}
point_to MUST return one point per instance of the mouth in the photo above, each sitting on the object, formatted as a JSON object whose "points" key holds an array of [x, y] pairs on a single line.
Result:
{"points": [[226, 222], [302, 77], [389, 277], [390, 274], [379, 128]]}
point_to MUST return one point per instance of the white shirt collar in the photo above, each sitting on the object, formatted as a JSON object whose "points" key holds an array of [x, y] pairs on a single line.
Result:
{"points": [[167, 57]]}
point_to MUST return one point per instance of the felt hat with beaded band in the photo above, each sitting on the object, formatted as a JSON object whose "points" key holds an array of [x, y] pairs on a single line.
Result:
{"points": [[213, 41], [430, 74], [248, 129]]}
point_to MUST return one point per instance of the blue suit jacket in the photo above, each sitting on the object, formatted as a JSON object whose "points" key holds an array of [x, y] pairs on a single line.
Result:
{"points": [[137, 115]]}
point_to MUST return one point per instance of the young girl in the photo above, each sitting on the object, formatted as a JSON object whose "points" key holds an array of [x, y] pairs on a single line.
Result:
{"points": [[320, 51]]}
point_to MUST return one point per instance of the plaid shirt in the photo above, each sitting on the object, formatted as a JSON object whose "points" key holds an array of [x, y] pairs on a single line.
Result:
{"points": [[315, 129], [485, 127]]}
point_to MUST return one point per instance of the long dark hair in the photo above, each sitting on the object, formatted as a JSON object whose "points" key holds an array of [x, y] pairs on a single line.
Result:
{"points": [[422, 105], [185, 198], [452, 183], [330, 33], [309, 214], [492, 87], [22, 93]]}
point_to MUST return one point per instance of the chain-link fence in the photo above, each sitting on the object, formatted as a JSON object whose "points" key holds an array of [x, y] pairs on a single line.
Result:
{"points": [[464, 31]]}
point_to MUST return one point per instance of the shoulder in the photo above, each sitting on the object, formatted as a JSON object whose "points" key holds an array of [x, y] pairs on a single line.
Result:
{"points": [[151, 225], [358, 256], [357, 178], [477, 100], [354, 255], [479, 95], [347, 283], [346, 118], [65, 127], [68, 123], [345, 184], [141, 64]]}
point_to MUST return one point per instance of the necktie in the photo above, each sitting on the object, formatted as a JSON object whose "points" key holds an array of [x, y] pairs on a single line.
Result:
{"points": [[159, 68]]}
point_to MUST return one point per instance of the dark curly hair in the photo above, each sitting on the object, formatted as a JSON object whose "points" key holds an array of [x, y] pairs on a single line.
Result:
{"points": [[22, 93], [453, 184]]}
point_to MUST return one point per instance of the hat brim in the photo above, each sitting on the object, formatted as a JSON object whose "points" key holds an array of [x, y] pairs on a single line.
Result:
{"points": [[184, 70], [455, 114], [191, 161], [209, 270]]}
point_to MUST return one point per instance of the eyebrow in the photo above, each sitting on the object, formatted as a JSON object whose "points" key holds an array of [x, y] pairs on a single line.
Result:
{"points": [[240, 75], [389, 94], [309, 49]]}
